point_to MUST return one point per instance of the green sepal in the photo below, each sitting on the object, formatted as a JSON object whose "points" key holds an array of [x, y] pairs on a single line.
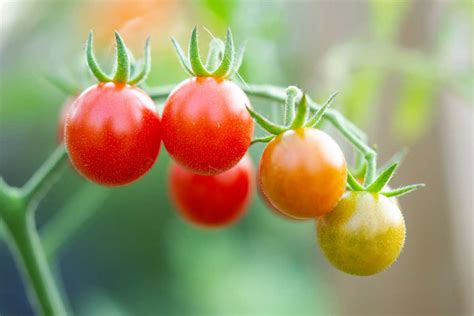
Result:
{"points": [[267, 125], [92, 62], [143, 74], [301, 113], [383, 178], [216, 49], [352, 182], [292, 94], [314, 120], [122, 71], [227, 59], [198, 67], [182, 57], [403, 190], [264, 139]]}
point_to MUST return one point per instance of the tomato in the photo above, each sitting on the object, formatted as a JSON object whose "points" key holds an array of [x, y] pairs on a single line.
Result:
{"points": [[212, 201], [363, 235], [67, 107], [113, 134], [269, 204], [303, 173], [206, 126]]}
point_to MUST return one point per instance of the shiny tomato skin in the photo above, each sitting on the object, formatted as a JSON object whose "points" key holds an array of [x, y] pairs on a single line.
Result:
{"points": [[303, 173], [113, 134], [269, 204], [63, 114], [363, 235], [212, 201], [206, 126]]}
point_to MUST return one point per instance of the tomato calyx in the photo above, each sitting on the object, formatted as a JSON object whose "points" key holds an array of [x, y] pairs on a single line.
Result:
{"points": [[125, 70], [378, 185], [296, 115], [223, 60]]}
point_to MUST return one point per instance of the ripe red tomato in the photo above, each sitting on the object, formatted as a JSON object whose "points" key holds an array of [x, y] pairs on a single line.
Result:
{"points": [[364, 234], [303, 173], [212, 201], [67, 107], [206, 127], [113, 134]]}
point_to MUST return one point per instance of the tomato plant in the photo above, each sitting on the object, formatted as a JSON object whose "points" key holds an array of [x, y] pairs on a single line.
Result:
{"points": [[112, 134], [206, 127], [212, 201], [364, 234]]}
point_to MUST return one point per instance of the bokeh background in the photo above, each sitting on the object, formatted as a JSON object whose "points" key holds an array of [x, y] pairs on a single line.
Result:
{"points": [[404, 70]]}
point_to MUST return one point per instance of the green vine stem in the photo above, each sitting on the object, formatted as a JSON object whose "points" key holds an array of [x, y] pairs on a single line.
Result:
{"points": [[17, 216], [351, 132]]}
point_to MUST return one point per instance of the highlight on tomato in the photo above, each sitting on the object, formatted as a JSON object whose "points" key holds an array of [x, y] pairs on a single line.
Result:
{"points": [[205, 125], [302, 170], [212, 201], [112, 135], [363, 235]]}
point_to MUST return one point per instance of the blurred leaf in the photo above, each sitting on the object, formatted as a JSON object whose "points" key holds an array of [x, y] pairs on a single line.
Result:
{"points": [[223, 9], [386, 17], [359, 94], [414, 110]]}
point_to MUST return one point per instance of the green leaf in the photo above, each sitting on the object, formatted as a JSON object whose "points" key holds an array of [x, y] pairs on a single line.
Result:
{"points": [[267, 125], [403, 190], [182, 57], [239, 55], [313, 121], [122, 62], [143, 74], [354, 185], [383, 179], [92, 62], [228, 59], [415, 108], [386, 17], [195, 57]]}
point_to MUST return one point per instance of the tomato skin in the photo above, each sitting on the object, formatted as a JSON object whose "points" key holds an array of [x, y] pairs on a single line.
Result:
{"points": [[269, 204], [206, 126], [112, 134], [63, 114], [363, 235], [303, 173], [212, 201]]}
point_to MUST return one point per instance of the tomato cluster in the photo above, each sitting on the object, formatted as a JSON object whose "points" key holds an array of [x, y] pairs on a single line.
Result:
{"points": [[113, 133]]}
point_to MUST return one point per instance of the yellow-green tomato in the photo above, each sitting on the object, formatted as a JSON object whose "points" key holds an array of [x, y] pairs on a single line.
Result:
{"points": [[363, 235]]}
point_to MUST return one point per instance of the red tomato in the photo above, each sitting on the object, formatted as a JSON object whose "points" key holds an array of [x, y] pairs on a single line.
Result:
{"points": [[212, 201], [303, 173], [67, 107], [113, 134], [206, 127]]}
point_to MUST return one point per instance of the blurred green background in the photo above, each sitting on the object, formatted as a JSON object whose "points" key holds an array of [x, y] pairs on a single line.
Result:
{"points": [[404, 70]]}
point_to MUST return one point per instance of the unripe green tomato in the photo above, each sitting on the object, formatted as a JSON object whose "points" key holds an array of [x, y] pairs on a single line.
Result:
{"points": [[363, 235]]}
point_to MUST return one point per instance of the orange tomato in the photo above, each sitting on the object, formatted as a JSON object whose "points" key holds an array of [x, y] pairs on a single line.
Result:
{"points": [[303, 173]]}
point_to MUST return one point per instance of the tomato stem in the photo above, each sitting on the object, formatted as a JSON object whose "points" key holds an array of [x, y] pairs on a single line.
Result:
{"points": [[17, 208]]}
